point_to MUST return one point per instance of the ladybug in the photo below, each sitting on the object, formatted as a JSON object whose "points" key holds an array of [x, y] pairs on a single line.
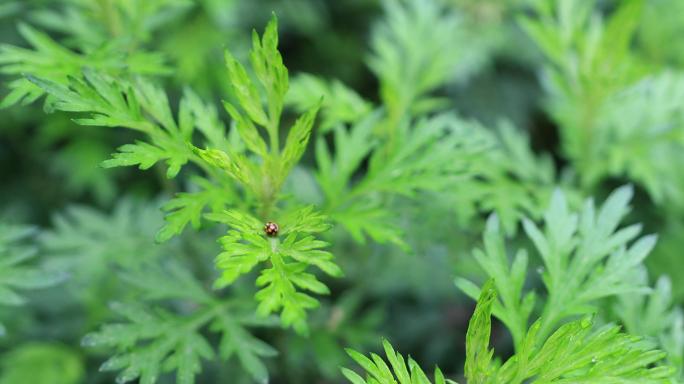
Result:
{"points": [[271, 229]]}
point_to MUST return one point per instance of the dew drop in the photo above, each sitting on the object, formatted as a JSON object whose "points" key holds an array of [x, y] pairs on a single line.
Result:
{"points": [[540, 270]]}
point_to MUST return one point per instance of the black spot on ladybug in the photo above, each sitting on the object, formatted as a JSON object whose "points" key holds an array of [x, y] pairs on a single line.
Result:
{"points": [[271, 229]]}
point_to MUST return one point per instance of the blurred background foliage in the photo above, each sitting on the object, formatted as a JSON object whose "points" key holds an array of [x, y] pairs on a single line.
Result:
{"points": [[578, 94]]}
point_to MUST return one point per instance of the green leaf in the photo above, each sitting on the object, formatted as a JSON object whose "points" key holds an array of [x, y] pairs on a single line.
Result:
{"points": [[335, 169], [249, 350], [88, 244], [655, 316], [279, 293], [478, 355], [239, 220], [235, 165], [48, 59], [269, 69], [150, 342], [372, 221], [290, 254], [378, 372], [340, 103], [187, 207], [512, 307], [308, 250], [245, 91], [241, 254], [110, 103], [434, 154], [352, 376], [305, 219], [142, 154], [248, 131], [168, 343], [410, 65], [646, 143], [509, 179], [573, 348], [587, 257], [15, 274], [298, 138], [195, 113]]}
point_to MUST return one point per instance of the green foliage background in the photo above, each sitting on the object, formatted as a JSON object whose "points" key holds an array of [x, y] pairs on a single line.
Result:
{"points": [[418, 157]]}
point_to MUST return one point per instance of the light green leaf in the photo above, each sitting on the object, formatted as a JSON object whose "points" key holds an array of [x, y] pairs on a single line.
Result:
{"points": [[298, 138], [478, 355]]}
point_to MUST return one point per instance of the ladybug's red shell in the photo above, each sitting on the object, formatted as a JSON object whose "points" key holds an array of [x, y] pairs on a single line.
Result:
{"points": [[271, 229]]}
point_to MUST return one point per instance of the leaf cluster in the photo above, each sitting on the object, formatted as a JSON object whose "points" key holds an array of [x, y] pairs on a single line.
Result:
{"points": [[282, 283], [586, 257], [577, 352], [153, 340], [597, 78]]}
